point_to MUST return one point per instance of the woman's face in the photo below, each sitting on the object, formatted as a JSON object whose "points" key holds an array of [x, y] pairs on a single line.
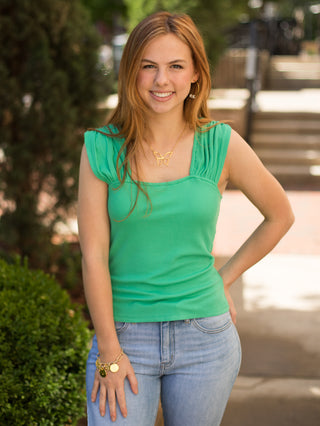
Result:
{"points": [[165, 75]]}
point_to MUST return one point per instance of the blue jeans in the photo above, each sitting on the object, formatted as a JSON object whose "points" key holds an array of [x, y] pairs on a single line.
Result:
{"points": [[191, 365]]}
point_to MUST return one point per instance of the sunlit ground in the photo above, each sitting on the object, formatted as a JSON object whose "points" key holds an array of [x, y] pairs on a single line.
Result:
{"points": [[283, 282]]}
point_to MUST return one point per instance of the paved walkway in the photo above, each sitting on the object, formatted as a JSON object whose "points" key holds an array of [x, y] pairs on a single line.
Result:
{"points": [[278, 303]]}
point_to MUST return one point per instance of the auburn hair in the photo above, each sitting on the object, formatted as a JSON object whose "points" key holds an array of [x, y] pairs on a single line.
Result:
{"points": [[129, 115]]}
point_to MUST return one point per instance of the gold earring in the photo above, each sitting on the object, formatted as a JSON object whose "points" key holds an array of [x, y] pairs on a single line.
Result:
{"points": [[194, 95]]}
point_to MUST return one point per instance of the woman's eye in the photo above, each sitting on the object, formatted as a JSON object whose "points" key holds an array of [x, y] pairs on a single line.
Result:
{"points": [[148, 66], [177, 66]]}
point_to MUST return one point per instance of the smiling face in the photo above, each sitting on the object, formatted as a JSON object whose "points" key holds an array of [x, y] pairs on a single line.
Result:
{"points": [[165, 75]]}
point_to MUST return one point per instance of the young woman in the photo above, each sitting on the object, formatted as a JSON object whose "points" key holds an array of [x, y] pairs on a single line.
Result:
{"points": [[150, 187]]}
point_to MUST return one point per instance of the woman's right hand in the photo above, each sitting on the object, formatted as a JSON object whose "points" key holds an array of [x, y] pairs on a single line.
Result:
{"points": [[112, 388]]}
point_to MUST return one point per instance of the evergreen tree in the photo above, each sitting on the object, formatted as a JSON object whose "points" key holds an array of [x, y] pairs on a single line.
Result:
{"points": [[112, 12], [50, 85]]}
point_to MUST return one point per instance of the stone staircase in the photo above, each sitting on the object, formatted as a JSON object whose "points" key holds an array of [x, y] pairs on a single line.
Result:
{"points": [[294, 72], [285, 130], [288, 143]]}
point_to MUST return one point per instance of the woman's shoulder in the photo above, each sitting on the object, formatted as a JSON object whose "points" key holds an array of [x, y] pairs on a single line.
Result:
{"points": [[103, 145], [214, 133], [104, 138], [109, 132]]}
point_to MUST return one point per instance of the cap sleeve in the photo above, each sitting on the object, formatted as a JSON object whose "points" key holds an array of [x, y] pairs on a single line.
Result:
{"points": [[102, 154], [212, 147]]}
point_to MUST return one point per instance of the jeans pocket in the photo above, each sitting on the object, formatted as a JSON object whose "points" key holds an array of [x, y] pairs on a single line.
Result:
{"points": [[121, 326], [213, 325]]}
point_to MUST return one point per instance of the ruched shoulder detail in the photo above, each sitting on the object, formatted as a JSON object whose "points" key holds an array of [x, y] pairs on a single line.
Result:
{"points": [[210, 151], [102, 152]]}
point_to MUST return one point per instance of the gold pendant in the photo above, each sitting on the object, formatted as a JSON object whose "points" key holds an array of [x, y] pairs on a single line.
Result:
{"points": [[114, 368], [162, 159]]}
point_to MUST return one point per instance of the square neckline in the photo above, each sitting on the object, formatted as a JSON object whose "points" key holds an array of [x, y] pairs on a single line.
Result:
{"points": [[173, 181]]}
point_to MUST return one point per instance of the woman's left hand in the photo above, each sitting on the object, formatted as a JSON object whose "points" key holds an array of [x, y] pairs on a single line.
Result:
{"points": [[232, 307]]}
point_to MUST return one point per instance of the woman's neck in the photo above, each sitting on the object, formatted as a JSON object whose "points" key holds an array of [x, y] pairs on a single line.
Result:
{"points": [[163, 132]]}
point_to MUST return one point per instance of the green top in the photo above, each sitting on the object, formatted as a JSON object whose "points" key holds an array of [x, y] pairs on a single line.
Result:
{"points": [[160, 263]]}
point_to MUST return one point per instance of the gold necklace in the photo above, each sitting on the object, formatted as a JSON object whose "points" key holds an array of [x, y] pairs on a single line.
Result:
{"points": [[164, 159]]}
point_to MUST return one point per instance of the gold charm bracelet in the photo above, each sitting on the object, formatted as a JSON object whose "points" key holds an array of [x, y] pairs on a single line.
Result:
{"points": [[105, 367]]}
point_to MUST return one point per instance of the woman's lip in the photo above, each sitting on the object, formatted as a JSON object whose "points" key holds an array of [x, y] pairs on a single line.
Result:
{"points": [[162, 96]]}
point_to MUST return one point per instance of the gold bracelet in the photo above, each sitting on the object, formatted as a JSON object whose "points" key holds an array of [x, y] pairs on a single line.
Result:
{"points": [[105, 367]]}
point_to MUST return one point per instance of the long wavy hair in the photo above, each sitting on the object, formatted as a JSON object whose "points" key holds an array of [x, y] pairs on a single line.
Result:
{"points": [[129, 115]]}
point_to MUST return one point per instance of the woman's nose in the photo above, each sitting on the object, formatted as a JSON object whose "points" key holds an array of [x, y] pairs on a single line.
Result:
{"points": [[161, 77]]}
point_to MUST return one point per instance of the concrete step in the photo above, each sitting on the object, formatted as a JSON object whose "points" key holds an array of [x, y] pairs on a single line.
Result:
{"points": [[289, 59], [295, 63], [286, 132], [278, 115], [285, 141], [299, 175], [262, 123], [287, 73], [297, 71], [293, 84], [286, 156], [294, 170], [304, 102]]}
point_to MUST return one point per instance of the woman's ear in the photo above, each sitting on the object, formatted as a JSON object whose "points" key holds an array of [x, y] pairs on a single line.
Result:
{"points": [[195, 77]]}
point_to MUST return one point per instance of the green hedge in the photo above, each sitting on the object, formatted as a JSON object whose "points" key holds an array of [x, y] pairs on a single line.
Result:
{"points": [[44, 343]]}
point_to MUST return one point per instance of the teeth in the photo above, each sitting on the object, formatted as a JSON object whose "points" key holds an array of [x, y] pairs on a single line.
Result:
{"points": [[162, 95]]}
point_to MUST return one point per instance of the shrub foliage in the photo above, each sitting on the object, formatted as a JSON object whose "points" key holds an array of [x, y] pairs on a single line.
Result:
{"points": [[44, 342], [51, 82]]}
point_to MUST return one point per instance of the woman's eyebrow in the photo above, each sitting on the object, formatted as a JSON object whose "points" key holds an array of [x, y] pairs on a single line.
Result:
{"points": [[171, 62]]}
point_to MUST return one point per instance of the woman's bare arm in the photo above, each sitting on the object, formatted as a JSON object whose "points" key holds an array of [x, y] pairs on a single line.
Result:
{"points": [[94, 234]]}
